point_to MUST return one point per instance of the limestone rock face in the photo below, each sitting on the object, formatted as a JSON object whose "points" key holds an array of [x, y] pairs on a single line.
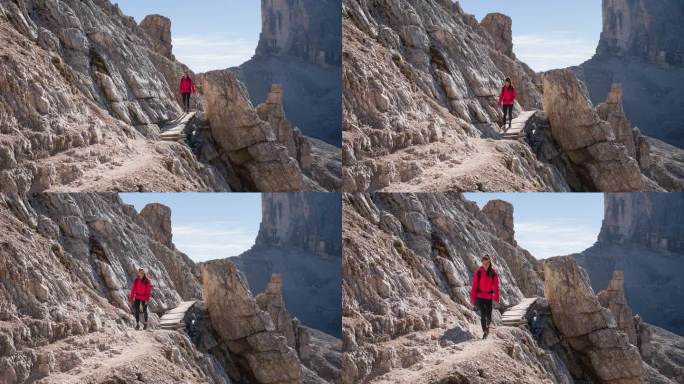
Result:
{"points": [[318, 160], [159, 29], [647, 219], [642, 48], [417, 115], [590, 328], [158, 218], [81, 111], [612, 111], [645, 29], [662, 350], [251, 145], [501, 214], [67, 265], [641, 235], [500, 27], [271, 301], [601, 161], [308, 221], [301, 28], [299, 48], [248, 331], [299, 239], [614, 299], [408, 262]]}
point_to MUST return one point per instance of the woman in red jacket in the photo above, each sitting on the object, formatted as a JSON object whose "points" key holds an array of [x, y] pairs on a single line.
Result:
{"points": [[485, 289], [140, 295], [187, 88], [506, 100]]}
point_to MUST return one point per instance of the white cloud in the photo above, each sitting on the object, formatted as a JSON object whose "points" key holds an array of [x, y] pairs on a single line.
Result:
{"points": [[215, 51], [552, 50], [212, 240], [554, 238]]}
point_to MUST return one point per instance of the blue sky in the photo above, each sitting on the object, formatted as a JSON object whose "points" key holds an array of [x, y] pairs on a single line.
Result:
{"points": [[208, 226], [547, 34], [206, 34], [551, 224]]}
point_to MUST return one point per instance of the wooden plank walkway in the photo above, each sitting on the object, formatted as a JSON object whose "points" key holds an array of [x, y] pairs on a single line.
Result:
{"points": [[173, 319], [515, 315], [517, 129], [175, 130]]}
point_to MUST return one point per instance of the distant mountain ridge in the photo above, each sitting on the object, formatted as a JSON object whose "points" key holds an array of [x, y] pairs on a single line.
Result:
{"points": [[642, 47], [300, 48]]}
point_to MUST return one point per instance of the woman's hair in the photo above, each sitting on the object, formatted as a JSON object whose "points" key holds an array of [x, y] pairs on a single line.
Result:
{"points": [[490, 268], [508, 79], [144, 278]]}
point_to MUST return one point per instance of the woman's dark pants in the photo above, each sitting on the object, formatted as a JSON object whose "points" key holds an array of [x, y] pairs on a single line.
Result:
{"points": [[186, 101], [485, 308], [508, 112], [136, 310]]}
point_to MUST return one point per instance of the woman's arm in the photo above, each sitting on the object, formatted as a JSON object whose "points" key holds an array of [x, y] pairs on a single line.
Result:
{"points": [[148, 292], [132, 295], [496, 287], [473, 289]]}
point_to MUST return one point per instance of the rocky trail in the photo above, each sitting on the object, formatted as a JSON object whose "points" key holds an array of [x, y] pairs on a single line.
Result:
{"points": [[419, 74], [480, 165], [89, 103], [147, 356], [500, 358], [408, 264], [141, 165]]}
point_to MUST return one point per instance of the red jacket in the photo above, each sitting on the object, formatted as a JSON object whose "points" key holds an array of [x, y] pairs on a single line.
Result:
{"points": [[507, 96], [488, 286], [141, 290], [186, 85]]}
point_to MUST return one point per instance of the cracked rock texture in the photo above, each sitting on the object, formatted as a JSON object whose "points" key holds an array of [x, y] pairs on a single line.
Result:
{"points": [[641, 235], [248, 331], [68, 263], [589, 328], [642, 48], [420, 92], [87, 93], [300, 239], [421, 81], [257, 147], [299, 48], [408, 261]]}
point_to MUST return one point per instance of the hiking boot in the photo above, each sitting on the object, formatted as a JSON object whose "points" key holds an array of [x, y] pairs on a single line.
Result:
{"points": [[486, 333], [137, 326], [145, 326]]}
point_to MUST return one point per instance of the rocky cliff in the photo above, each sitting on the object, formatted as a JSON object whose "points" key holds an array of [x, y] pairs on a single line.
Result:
{"points": [[641, 234], [299, 239], [408, 261], [642, 47], [87, 93], [407, 266], [67, 267], [299, 48], [421, 86], [645, 29]]}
